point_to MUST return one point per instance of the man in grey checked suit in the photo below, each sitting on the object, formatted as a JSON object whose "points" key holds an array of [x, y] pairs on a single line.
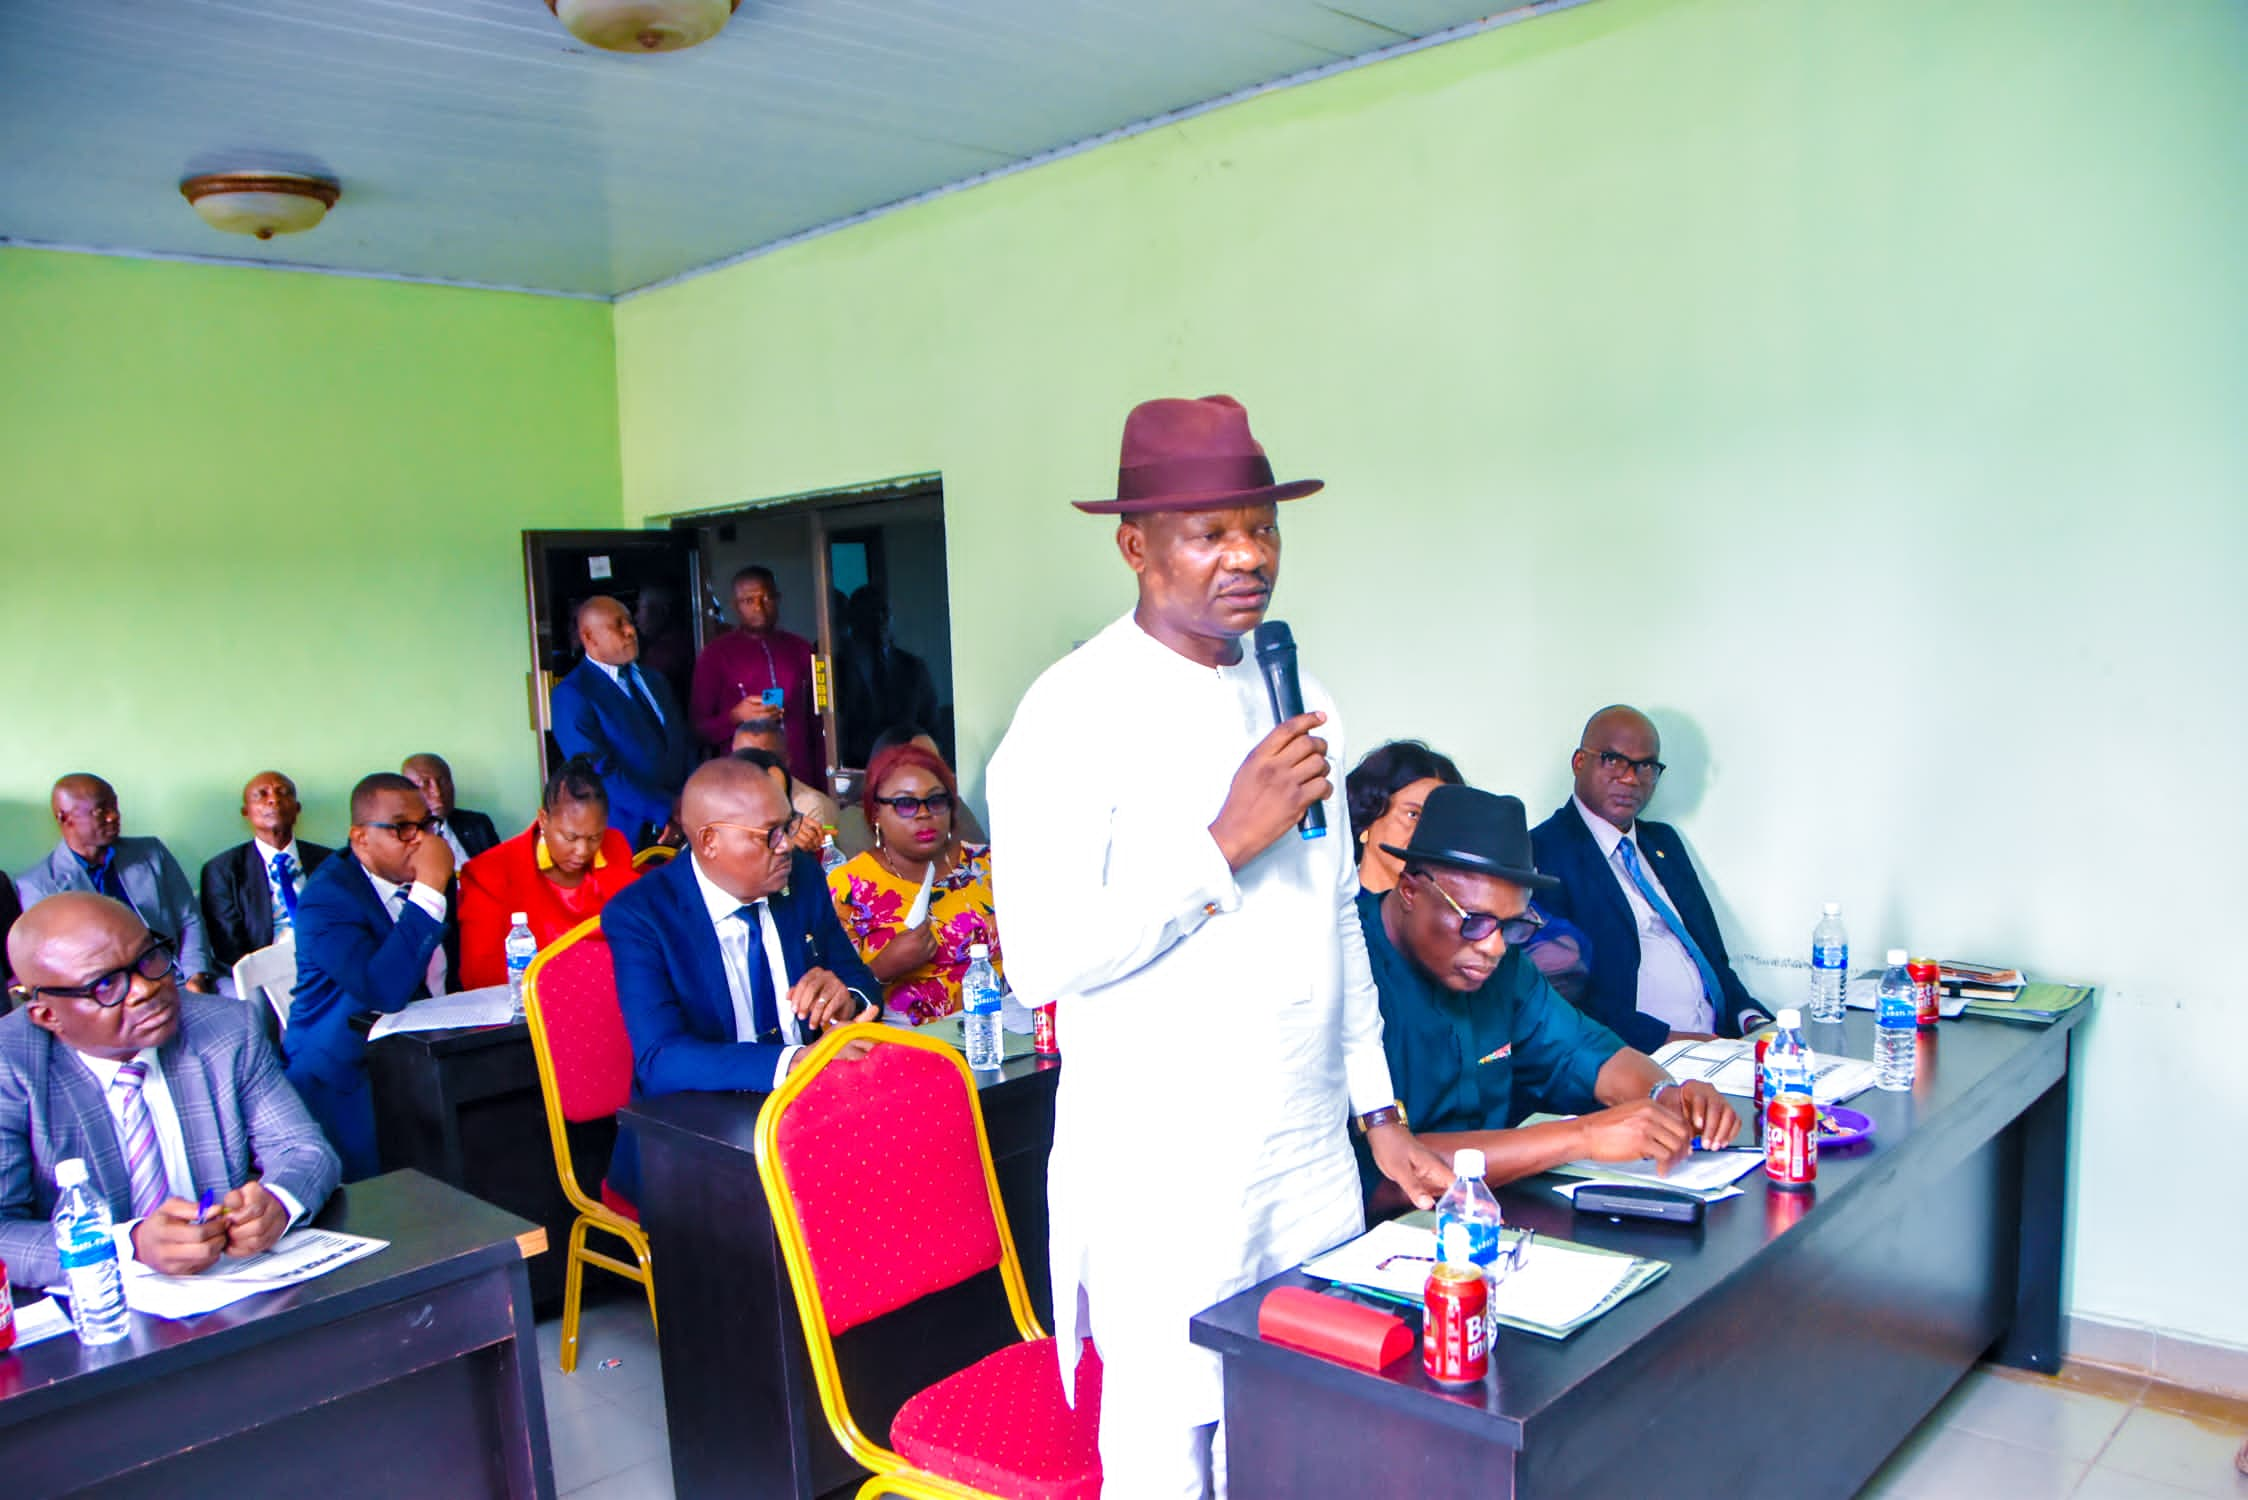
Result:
{"points": [[163, 1095], [94, 856]]}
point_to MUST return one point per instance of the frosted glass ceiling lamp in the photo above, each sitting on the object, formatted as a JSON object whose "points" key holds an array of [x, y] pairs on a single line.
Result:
{"points": [[643, 25], [261, 203]]}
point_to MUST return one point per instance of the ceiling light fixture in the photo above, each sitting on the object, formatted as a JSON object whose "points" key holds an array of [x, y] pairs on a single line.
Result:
{"points": [[643, 25], [261, 203]]}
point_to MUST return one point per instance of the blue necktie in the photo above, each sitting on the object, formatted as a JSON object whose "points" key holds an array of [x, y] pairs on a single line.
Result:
{"points": [[285, 883], [764, 1010], [104, 876], [636, 688], [1710, 986]]}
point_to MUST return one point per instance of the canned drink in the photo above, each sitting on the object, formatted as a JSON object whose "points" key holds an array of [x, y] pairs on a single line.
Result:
{"points": [[1927, 989], [1763, 1045], [1791, 1142], [1455, 1328], [1042, 1038], [7, 1312]]}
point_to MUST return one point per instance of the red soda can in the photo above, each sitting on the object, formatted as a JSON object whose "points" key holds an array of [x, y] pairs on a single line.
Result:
{"points": [[1925, 974], [7, 1312], [1455, 1334], [1763, 1045], [1042, 1038], [1791, 1142]]}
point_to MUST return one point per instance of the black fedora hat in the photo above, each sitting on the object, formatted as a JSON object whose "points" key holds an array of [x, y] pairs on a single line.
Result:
{"points": [[1474, 830]]}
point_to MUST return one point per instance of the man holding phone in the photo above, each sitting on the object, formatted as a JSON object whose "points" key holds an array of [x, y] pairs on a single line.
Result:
{"points": [[759, 671]]}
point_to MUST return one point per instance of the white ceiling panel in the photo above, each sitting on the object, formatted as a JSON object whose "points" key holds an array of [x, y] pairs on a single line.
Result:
{"points": [[477, 141]]}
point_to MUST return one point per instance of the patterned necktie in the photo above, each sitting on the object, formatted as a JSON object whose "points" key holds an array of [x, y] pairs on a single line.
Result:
{"points": [[285, 884], [764, 1011], [143, 1161], [1710, 986]]}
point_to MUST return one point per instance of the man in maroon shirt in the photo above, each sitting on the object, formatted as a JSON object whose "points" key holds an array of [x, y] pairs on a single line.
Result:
{"points": [[737, 669]]}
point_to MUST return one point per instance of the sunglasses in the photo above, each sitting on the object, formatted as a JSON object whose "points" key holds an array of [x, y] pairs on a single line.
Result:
{"points": [[936, 803], [110, 989], [1475, 926]]}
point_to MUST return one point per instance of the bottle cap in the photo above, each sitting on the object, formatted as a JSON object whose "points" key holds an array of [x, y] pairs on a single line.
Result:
{"points": [[1896, 958], [520, 918], [71, 1172], [1834, 908], [1468, 1162], [1789, 1019], [979, 950]]}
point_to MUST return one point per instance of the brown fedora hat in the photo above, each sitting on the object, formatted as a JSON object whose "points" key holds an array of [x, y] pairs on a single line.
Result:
{"points": [[1192, 455]]}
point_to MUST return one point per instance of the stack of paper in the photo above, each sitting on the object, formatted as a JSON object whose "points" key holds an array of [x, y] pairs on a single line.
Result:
{"points": [[1728, 1065], [2038, 1001], [41, 1319], [1708, 1175], [1558, 1290], [301, 1255], [490, 1006]]}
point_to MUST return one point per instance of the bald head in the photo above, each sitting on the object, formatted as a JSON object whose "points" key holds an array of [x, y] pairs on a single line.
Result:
{"points": [[733, 812], [730, 790], [606, 631], [85, 809], [76, 938], [1617, 762]]}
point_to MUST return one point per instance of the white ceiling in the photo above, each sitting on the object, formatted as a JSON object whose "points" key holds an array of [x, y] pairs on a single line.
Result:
{"points": [[477, 141]]}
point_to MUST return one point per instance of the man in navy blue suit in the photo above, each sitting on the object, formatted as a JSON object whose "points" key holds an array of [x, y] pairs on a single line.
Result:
{"points": [[1659, 967], [729, 959], [625, 719], [371, 937]]}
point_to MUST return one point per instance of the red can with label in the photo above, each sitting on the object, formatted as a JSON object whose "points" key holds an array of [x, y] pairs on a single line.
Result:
{"points": [[7, 1312], [1927, 990], [1455, 1333], [1043, 1041], [1763, 1045], [1791, 1142]]}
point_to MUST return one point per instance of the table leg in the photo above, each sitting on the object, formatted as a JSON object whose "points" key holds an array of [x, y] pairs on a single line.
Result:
{"points": [[2034, 1341]]}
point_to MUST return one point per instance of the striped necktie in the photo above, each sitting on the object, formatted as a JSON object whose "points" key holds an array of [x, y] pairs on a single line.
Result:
{"points": [[285, 885], [143, 1161]]}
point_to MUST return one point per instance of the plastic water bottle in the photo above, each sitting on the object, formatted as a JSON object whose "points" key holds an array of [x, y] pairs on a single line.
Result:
{"points": [[1787, 1058], [89, 1258], [521, 949], [979, 1022], [1467, 1216], [1896, 1023], [1830, 965], [831, 858]]}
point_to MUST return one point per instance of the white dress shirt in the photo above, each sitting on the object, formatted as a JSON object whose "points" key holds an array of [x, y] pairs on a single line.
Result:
{"points": [[171, 1145], [429, 899], [443, 827], [733, 946], [643, 695], [1670, 986], [266, 852]]}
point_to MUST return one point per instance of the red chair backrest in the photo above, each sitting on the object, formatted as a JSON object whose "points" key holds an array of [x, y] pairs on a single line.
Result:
{"points": [[881, 1159], [585, 1035]]}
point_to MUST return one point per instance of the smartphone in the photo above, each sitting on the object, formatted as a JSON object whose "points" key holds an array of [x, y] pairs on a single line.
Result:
{"points": [[772, 697]]}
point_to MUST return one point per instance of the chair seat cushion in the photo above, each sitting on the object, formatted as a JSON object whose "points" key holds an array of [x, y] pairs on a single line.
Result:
{"points": [[1002, 1426], [618, 1203]]}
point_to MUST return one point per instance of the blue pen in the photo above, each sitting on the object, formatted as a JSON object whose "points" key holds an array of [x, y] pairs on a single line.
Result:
{"points": [[205, 1201]]}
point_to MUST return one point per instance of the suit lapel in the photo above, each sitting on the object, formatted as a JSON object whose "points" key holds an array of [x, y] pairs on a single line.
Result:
{"points": [[78, 1100], [709, 976], [1610, 895], [257, 894]]}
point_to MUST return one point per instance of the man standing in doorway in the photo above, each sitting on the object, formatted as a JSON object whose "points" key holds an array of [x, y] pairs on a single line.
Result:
{"points": [[739, 671], [1211, 974]]}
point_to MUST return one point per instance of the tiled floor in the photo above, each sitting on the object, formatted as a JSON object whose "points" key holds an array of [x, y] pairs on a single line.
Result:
{"points": [[2001, 1435]]}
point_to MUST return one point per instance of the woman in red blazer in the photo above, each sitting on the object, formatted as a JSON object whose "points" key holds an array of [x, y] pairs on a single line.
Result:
{"points": [[559, 871]]}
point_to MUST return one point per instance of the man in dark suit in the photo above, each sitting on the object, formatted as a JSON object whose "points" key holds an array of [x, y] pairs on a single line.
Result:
{"points": [[1659, 967], [95, 856], [729, 959], [627, 721], [163, 1096], [372, 934], [250, 891], [467, 831]]}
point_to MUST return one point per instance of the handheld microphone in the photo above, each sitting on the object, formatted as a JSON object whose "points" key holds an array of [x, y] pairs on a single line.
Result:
{"points": [[1276, 658]]}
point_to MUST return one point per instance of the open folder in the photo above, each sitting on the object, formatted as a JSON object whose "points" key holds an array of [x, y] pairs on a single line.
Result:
{"points": [[1561, 1288]]}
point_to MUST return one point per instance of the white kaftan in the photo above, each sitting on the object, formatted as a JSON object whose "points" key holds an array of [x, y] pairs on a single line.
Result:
{"points": [[1218, 1029]]}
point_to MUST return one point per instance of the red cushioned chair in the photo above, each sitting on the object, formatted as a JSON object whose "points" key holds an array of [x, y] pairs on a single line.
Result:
{"points": [[585, 1072], [882, 1191]]}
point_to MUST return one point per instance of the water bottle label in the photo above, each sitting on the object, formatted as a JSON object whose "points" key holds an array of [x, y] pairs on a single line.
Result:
{"points": [[85, 1254], [1830, 958], [1467, 1242]]}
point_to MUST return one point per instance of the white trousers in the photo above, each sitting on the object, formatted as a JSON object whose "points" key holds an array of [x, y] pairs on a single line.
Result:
{"points": [[1158, 1461]]}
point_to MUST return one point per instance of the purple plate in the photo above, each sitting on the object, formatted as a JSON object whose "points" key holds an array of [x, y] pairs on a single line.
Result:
{"points": [[1856, 1129]]}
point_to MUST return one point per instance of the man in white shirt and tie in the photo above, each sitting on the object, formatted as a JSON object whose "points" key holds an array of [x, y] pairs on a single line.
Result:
{"points": [[1659, 966], [166, 1097], [250, 891]]}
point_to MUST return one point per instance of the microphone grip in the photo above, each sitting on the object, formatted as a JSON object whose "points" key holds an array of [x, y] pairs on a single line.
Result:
{"points": [[1287, 698]]}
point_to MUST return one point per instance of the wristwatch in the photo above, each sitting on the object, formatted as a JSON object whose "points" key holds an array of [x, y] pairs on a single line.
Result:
{"points": [[1374, 1119]]}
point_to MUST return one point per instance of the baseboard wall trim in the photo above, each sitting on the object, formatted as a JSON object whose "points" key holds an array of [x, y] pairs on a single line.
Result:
{"points": [[2164, 1354]]}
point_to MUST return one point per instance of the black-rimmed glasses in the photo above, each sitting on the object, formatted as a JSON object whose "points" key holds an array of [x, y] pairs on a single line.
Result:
{"points": [[777, 837], [1615, 762], [936, 803], [1475, 926], [406, 829], [110, 989]]}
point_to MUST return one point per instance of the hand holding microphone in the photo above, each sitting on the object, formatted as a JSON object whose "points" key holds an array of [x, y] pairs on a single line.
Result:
{"points": [[1285, 782]]}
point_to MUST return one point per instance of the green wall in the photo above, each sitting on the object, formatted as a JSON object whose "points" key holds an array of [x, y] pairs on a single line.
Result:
{"points": [[256, 519], [1858, 387]]}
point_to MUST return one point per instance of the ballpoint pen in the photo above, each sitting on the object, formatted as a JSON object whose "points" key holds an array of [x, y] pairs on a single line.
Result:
{"points": [[205, 1201]]}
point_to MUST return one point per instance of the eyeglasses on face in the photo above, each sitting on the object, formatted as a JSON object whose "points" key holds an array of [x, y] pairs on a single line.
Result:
{"points": [[937, 804], [1475, 926], [777, 837], [110, 989], [1615, 763], [406, 830]]}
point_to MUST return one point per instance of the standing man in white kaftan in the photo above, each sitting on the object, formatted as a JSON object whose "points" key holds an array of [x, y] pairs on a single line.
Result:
{"points": [[1216, 1008]]}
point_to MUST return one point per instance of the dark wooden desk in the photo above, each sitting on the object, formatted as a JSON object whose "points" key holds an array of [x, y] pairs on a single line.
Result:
{"points": [[744, 1416], [411, 1372], [464, 1107], [1794, 1344]]}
